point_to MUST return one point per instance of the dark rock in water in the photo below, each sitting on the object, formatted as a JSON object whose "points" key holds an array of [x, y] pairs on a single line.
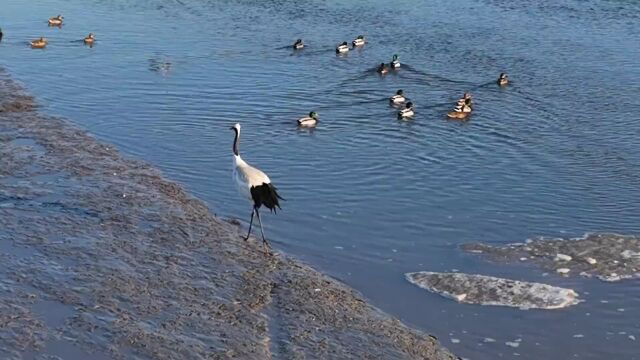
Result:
{"points": [[610, 257], [488, 290]]}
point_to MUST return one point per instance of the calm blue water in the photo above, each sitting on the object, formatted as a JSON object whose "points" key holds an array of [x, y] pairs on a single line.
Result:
{"points": [[368, 197]]}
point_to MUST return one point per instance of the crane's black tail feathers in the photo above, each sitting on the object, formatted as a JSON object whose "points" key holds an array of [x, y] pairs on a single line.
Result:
{"points": [[266, 195]]}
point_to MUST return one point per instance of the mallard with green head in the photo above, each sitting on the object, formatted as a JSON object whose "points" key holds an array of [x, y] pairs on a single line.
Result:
{"points": [[309, 121], [398, 98], [395, 62], [342, 48], [407, 112]]}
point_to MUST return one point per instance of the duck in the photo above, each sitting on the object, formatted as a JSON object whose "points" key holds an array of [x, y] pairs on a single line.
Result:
{"points": [[1, 34], [90, 39], [382, 69], [398, 98], [503, 79], [460, 112], [395, 62], [467, 99], [406, 112], [359, 41], [459, 115], [310, 121], [56, 21], [39, 43], [298, 44], [342, 48], [463, 108]]}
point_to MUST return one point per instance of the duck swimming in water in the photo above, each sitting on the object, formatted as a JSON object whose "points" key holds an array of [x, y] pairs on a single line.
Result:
{"points": [[359, 41], [298, 44], [395, 62], [342, 48], [462, 103], [466, 99], [459, 115], [1, 34], [503, 80], [398, 98], [56, 20], [460, 112], [310, 121], [39, 43], [407, 112], [382, 69], [90, 39]]}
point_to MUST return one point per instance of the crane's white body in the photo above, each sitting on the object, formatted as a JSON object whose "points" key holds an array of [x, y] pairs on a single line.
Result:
{"points": [[246, 176]]}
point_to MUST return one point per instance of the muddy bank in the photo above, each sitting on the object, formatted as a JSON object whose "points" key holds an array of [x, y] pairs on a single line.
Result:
{"points": [[102, 258], [489, 290], [610, 257]]}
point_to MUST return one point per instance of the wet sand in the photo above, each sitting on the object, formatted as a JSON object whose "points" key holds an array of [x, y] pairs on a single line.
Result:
{"points": [[103, 258]]}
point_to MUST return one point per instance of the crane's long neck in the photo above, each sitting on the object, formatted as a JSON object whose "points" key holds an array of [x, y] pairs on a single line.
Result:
{"points": [[236, 150]]}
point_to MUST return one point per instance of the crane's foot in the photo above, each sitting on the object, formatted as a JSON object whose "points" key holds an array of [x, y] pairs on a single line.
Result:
{"points": [[267, 247]]}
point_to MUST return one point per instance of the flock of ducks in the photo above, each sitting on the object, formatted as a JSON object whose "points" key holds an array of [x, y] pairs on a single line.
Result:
{"points": [[461, 110], [255, 185], [42, 42]]}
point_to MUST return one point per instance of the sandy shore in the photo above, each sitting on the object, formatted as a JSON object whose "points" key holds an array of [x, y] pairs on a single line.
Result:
{"points": [[103, 258]]}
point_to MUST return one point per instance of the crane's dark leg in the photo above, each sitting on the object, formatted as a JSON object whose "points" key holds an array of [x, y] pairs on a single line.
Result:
{"points": [[264, 241], [250, 223]]}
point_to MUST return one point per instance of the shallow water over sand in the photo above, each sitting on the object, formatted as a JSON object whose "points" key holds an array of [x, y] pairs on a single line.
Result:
{"points": [[370, 198]]}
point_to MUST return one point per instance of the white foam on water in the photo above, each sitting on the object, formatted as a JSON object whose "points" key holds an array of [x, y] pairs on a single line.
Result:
{"points": [[488, 290]]}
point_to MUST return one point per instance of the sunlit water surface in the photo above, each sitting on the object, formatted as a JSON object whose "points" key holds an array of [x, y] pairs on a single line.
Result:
{"points": [[557, 153]]}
